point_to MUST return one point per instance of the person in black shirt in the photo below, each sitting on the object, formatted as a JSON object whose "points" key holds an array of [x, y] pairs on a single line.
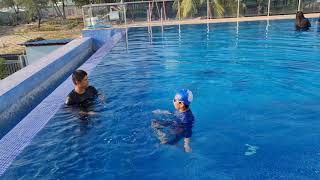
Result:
{"points": [[302, 23], [82, 95]]}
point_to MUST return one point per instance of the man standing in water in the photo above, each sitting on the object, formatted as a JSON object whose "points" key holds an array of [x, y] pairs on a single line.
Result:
{"points": [[302, 23], [82, 95]]}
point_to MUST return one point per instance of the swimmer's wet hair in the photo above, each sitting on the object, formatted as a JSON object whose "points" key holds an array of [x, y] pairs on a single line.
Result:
{"points": [[78, 75], [300, 14]]}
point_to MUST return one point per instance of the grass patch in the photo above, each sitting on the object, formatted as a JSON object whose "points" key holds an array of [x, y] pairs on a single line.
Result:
{"points": [[50, 29], [2, 68]]}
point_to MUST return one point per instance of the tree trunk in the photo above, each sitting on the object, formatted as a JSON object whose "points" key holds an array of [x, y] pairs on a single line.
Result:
{"points": [[18, 9], [57, 9], [63, 10], [15, 16], [39, 18], [39, 22], [210, 13]]}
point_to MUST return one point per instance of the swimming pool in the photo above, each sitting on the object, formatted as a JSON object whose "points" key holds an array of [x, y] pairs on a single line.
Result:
{"points": [[256, 94]]}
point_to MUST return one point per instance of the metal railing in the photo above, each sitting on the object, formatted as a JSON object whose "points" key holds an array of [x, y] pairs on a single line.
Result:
{"points": [[10, 67], [128, 13]]}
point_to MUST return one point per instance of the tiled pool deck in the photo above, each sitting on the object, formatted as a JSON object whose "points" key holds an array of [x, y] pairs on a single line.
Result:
{"points": [[222, 20]]}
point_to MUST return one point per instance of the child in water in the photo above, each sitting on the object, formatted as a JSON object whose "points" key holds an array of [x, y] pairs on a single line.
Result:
{"points": [[181, 126]]}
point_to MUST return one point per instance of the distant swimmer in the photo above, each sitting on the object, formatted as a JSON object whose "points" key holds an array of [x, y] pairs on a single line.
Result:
{"points": [[302, 23], [171, 132]]}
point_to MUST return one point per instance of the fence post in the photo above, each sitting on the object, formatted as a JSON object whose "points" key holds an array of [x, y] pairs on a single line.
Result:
{"points": [[208, 9], [179, 12], [83, 17], [164, 10], [269, 4], [161, 16], [238, 10], [125, 13]]}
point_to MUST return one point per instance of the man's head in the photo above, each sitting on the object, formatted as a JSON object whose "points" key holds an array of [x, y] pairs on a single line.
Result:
{"points": [[182, 99], [300, 15], [80, 79]]}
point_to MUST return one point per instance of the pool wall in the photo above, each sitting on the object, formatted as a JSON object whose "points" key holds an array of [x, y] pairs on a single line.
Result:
{"points": [[100, 36], [13, 143], [23, 90]]}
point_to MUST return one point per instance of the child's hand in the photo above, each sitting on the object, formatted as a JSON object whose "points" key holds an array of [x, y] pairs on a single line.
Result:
{"points": [[187, 148], [102, 98], [154, 124]]}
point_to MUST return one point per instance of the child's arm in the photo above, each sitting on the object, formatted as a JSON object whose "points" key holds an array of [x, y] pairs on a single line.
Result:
{"points": [[101, 95], [163, 112], [102, 98], [186, 145]]}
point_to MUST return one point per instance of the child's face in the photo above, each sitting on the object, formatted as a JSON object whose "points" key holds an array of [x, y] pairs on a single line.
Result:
{"points": [[84, 83], [178, 105]]}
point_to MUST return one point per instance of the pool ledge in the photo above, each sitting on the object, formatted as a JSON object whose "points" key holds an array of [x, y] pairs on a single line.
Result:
{"points": [[13, 143], [23, 90]]}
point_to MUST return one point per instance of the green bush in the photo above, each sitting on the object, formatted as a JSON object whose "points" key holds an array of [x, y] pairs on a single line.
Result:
{"points": [[5, 18], [2, 68]]}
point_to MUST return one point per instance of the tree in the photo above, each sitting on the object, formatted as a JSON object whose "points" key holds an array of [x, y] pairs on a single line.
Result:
{"points": [[57, 9], [35, 8], [63, 9], [10, 3], [81, 3], [188, 8], [217, 9], [13, 4], [260, 6]]}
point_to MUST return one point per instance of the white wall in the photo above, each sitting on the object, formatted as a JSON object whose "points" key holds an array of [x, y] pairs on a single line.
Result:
{"points": [[35, 53]]}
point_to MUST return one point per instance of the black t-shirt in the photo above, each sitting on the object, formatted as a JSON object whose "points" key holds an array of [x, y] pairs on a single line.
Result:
{"points": [[82, 99], [303, 25]]}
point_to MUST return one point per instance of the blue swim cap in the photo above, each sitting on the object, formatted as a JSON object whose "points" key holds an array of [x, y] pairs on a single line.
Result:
{"points": [[185, 96]]}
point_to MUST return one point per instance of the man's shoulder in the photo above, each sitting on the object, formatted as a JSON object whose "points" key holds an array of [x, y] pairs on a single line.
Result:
{"points": [[70, 98], [92, 89], [71, 93]]}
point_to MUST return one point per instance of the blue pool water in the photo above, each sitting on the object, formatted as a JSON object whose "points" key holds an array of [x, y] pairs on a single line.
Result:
{"points": [[256, 103]]}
